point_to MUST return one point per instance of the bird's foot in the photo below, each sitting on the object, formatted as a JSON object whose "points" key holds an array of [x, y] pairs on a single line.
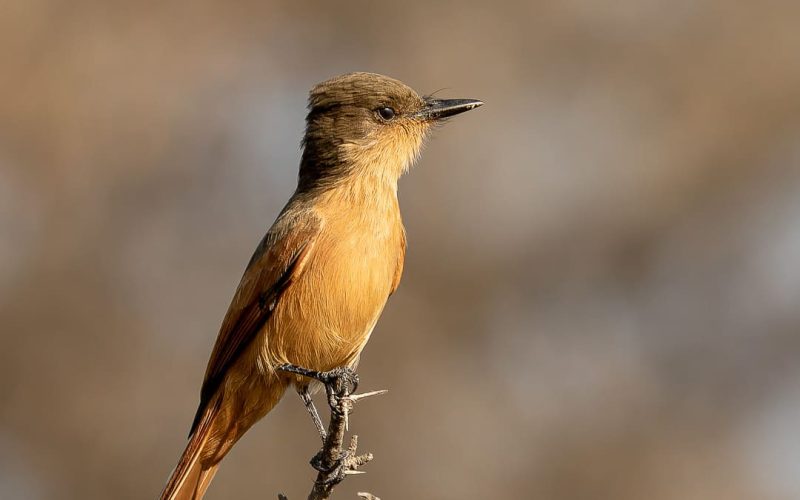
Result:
{"points": [[340, 384], [340, 379], [335, 470]]}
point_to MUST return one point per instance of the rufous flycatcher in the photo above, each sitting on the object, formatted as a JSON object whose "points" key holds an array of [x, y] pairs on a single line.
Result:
{"points": [[318, 281]]}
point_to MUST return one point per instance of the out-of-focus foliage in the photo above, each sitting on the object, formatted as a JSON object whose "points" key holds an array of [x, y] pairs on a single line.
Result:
{"points": [[602, 291]]}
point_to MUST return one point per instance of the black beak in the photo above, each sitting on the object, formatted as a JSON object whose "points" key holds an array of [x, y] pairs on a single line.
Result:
{"points": [[436, 109]]}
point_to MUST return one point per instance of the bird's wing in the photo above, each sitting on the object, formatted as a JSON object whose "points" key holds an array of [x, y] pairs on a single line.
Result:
{"points": [[278, 261]]}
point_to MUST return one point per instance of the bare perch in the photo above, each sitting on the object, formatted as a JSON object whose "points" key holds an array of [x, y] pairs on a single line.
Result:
{"points": [[334, 462]]}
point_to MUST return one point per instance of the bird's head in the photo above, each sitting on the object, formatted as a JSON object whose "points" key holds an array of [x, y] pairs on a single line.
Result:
{"points": [[368, 124]]}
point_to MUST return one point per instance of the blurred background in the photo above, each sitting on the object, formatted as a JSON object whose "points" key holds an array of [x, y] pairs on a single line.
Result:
{"points": [[602, 289]]}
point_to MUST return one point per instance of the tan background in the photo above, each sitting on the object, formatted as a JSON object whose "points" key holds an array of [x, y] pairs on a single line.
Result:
{"points": [[602, 291]]}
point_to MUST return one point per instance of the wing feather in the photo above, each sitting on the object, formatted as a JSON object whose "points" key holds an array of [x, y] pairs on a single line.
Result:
{"points": [[278, 261]]}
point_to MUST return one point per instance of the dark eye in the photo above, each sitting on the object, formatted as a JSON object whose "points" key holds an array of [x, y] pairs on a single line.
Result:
{"points": [[386, 113]]}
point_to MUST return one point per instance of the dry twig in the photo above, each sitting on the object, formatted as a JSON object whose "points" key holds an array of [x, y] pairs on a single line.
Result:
{"points": [[334, 462]]}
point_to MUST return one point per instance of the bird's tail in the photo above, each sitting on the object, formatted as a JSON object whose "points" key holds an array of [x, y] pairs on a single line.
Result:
{"points": [[218, 426], [193, 475]]}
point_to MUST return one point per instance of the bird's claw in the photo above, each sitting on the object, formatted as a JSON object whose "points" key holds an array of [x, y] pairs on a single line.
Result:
{"points": [[342, 380], [347, 464]]}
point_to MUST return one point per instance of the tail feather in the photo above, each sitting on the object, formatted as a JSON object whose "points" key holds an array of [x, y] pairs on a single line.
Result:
{"points": [[191, 477], [205, 480], [220, 423]]}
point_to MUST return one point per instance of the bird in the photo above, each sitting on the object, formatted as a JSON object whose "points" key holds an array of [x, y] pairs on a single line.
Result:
{"points": [[318, 281]]}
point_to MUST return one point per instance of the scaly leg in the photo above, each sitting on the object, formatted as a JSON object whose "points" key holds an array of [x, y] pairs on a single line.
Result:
{"points": [[312, 410]]}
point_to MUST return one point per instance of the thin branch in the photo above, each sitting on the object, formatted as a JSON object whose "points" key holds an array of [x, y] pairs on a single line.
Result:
{"points": [[334, 462]]}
